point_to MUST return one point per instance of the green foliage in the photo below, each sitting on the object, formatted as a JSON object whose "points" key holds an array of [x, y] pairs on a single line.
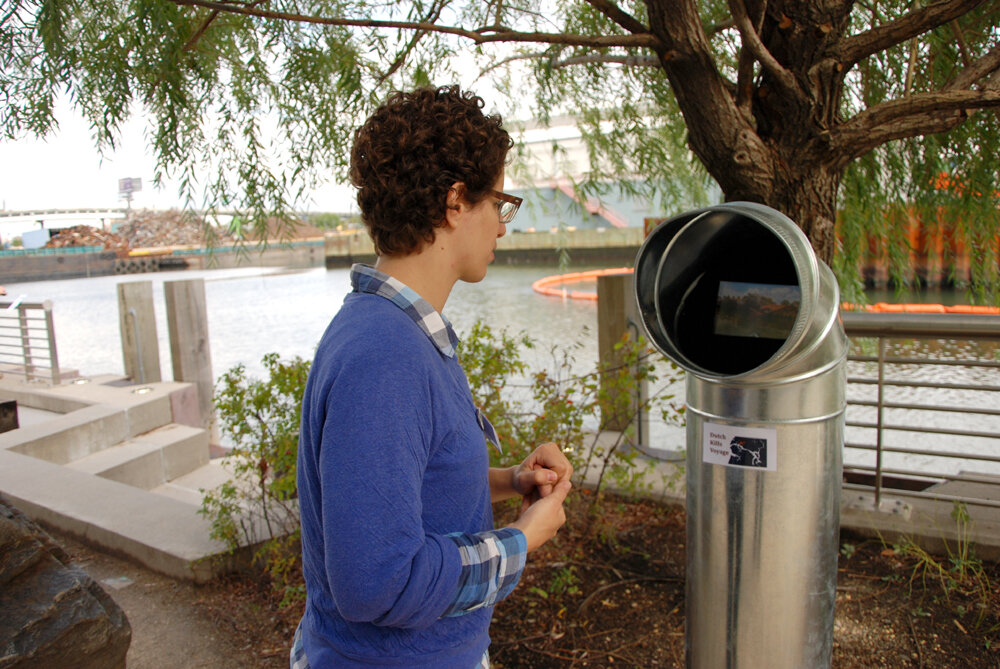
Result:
{"points": [[575, 411], [252, 106], [258, 506], [327, 221], [946, 181], [261, 419], [962, 572]]}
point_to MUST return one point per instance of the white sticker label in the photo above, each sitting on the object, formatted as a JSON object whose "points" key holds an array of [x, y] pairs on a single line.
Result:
{"points": [[736, 446]]}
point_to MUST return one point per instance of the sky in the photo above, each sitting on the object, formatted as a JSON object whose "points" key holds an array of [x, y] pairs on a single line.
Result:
{"points": [[65, 171]]}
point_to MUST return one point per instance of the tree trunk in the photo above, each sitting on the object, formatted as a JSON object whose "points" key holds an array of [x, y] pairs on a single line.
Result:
{"points": [[767, 141], [800, 187]]}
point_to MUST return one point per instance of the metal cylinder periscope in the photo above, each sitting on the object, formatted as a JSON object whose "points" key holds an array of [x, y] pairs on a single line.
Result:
{"points": [[764, 444]]}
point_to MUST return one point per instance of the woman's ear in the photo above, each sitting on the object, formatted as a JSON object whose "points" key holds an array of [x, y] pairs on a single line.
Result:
{"points": [[454, 202]]}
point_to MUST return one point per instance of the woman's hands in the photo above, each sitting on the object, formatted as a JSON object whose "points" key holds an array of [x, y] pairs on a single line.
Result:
{"points": [[543, 481]]}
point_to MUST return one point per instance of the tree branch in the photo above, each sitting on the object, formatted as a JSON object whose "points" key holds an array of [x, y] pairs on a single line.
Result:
{"points": [[921, 114], [977, 71], [480, 36], [963, 48], [627, 61], [433, 15], [619, 16], [858, 47], [745, 70], [200, 31], [752, 42], [717, 28]]}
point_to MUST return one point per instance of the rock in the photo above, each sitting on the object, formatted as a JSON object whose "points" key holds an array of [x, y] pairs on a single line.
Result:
{"points": [[52, 614], [8, 415]]}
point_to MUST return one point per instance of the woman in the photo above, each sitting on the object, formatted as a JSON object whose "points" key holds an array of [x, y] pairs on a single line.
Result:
{"points": [[402, 563]]}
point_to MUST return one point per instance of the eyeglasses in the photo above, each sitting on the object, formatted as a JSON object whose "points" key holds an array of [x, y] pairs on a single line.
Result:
{"points": [[507, 206]]}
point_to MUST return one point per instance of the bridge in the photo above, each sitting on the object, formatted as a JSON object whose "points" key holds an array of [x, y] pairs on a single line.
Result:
{"points": [[46, 214], [16, 222]]}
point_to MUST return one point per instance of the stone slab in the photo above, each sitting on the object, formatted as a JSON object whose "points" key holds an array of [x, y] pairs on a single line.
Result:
{"points": [[70, 436], [164, 534], [190, 487], [150, 459]]}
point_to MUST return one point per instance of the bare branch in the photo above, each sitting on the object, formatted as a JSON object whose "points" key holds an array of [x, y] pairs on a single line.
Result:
{"points": [[963, 48], [481, 36], [745, 71], [921, 114], [521, 56], [920, 20], [979, 70], [432, 16], [911, 65], [619, 16], [200, 31], [751, 41], [627, 61], [717, 28]]}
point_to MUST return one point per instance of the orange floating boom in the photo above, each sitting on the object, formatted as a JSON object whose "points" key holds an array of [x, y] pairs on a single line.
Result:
{"points": [[552, 286]]}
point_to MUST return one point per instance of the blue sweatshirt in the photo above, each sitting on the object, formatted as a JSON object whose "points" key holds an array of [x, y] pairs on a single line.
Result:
{"points": [[392, 461]]}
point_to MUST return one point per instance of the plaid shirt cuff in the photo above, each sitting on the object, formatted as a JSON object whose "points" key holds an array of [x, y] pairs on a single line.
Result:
{"points": [[492, 563]]}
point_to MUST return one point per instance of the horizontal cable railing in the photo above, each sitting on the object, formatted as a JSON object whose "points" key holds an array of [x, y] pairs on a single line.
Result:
{"points": [[28, 341], [934, 376]]}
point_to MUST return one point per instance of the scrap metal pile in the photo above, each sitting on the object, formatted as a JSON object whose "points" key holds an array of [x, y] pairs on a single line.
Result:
{"points": [[147, 229], [144, 229], [157, 229], [84, 235]]}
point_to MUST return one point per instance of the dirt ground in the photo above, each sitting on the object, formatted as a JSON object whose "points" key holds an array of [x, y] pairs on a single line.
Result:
{"points": [[606, 594]]}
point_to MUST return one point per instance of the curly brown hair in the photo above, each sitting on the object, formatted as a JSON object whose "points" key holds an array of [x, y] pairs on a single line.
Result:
{"points": [[411, 151]]}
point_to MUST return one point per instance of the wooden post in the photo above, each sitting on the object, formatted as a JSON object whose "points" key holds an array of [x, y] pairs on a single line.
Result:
{"points": [[190, 350], [137, 322], [617, 315]]}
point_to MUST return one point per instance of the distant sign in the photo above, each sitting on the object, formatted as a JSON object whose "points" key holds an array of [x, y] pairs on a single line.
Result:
{"points": [[129, 185]]}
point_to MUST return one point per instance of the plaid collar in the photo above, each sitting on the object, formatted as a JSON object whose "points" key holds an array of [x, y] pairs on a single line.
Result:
{"points": [[367, 279]]}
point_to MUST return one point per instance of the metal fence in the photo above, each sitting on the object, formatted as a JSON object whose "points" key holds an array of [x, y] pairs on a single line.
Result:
{"points": [[924, 405], [27, 340]]}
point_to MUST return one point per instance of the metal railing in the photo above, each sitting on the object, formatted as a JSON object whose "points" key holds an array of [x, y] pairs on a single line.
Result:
{"points": [[28, 341], [906, 380]]}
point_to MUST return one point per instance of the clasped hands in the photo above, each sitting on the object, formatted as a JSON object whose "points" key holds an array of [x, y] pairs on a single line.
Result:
{"points": [[543, 481]]}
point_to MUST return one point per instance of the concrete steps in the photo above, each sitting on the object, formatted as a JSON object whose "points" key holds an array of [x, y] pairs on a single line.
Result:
{"points": [[150, 459], [118, 466], [188, 488]]}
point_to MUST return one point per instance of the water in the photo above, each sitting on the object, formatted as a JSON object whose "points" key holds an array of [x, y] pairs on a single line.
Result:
{"points": [[253, 311]]}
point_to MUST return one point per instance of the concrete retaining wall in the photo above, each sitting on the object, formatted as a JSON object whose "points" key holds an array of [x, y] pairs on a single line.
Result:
{"points": [[613, 246], [18, 268]]}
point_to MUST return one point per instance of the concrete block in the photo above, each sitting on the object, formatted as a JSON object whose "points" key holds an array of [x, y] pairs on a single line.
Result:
{"points": [[150, 459], [146, 407], [69, 436], [37, 397], [190, 487], [184, 405], [164, 534], [187, 451], [136, 464]]}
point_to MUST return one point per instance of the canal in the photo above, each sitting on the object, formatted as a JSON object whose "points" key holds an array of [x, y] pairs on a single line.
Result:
{"points": [[253, 311]]}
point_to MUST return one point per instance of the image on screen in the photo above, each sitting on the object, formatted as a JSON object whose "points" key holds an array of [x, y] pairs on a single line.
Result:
{"points": [[764, 310]]}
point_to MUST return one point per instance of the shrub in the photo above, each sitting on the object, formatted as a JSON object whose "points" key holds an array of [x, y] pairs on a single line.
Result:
{"points": [[258, 506], [531, 407], [261, 418]]}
